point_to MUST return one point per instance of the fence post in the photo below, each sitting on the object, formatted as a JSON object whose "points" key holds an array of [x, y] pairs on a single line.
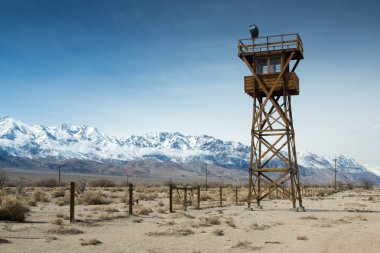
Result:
{"points": [[185, 199], [170, 198], [72, 201], [220, 193], [199, 197], [59, 175], [130, 199], [236, 195]]}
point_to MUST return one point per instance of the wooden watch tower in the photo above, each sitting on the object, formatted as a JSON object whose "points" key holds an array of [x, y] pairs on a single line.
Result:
{"points": [[273, 162]]}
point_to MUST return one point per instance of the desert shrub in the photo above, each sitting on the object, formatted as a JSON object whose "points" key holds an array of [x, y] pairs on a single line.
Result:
{"points": [[61, 201], [80, 186], [51, 182], [93, 198], [102, 183], [40, 196], [367, 185], [209, 221], [12, 209], [58, 193], [90, 242]]}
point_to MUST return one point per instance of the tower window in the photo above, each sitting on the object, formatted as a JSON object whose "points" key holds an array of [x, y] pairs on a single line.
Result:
{"points": [[262, 66], [275, 64]]}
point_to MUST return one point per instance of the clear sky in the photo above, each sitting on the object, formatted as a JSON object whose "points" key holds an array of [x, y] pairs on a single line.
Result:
{"points": [[131, 67]]}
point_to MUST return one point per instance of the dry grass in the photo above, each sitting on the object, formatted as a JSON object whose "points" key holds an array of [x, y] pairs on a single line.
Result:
{"points": [[230, 222], [107, 209], [61, 230], [245, 245], [162, 210], [256, 226], [137, 220], [172, 232], [309, 217], [142, 210], [62, 201], [213, 220], [147, 196]]}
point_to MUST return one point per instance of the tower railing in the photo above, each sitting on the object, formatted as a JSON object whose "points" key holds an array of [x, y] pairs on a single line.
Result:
{"points": [[271, 43]]}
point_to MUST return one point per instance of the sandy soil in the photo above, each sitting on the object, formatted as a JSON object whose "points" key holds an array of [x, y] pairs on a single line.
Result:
{"points": [[344, 222]]}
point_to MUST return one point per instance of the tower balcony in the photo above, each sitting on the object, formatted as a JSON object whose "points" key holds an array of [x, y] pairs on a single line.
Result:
{"points": [[271, 45], [289, 81]]}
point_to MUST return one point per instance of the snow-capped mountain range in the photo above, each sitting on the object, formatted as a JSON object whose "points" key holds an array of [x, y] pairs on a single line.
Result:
{"points": [[63, 142]]}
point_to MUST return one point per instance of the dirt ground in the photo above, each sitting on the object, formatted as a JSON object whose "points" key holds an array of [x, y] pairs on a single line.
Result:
{"points": [[347, 221]]}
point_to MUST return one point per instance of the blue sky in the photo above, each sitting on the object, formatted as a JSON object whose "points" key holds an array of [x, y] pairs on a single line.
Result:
{"points": [[130, 67]]}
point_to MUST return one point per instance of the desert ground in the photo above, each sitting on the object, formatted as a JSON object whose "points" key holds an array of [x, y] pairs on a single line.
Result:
{"points": [[344, 221]]}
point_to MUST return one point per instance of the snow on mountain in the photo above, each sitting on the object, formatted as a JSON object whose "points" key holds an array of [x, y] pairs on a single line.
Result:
{"points": [[374, 169], [84, 142]]}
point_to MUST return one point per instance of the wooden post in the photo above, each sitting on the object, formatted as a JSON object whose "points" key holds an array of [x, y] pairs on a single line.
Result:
{"points": [[236, 196], [130, 199], [220, 193], [59, 175], [72, 201], [185, 199], [335, 175], [171, 198], [199, 197], [206, 176]]}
